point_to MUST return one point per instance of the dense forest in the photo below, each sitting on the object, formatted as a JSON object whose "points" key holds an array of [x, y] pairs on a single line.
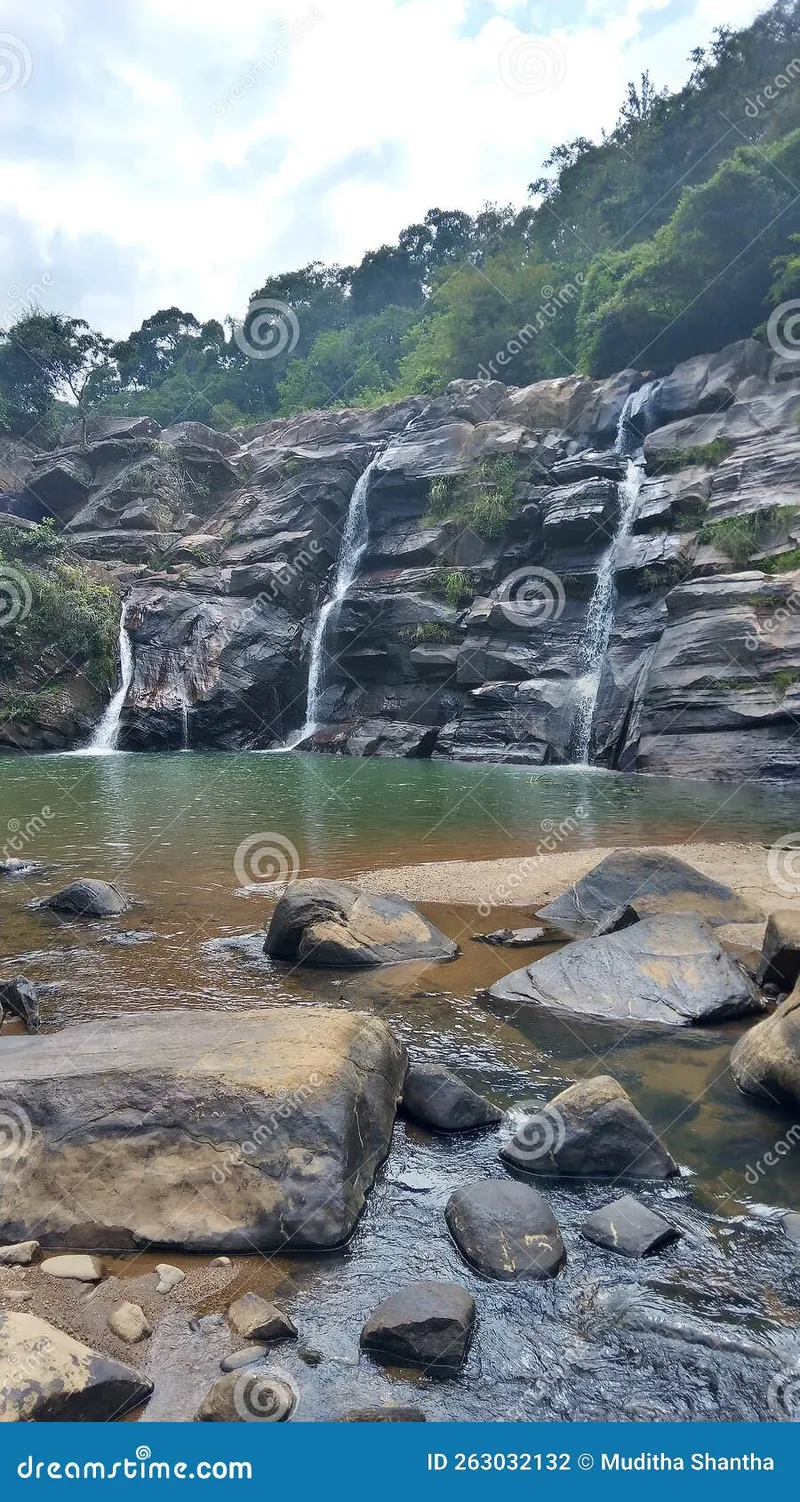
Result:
{"points": [[676, 233]]}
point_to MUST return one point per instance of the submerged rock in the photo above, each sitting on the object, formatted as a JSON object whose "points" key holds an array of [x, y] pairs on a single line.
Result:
{"points": [[663, 969], [517, 938], [246, 1397], [780, 954], [88, 898], [16, 866], [653, 883], [280, 1116], [19, 998], [439, 1099], [254, 1318], [766, 1060], [426, 1324], [590, 1130], [505, 1230], [628, 1227], [46, 1375], [332, 924]]}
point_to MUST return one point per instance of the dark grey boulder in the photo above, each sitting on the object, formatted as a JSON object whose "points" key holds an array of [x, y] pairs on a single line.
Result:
{"points": [[19, 998], [505, 1230], [628, 1227], [15, 866], [333, 924], [590, 1130], [281, 1115], [88, 898], [766, 1060], [665, 969], [45, 1375], [653, 883], [780, 953], [517, 938], [439, 1099], [247, 1396], [427, 1324]]}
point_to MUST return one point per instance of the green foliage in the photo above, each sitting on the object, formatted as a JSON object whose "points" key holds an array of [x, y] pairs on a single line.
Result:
{"points": [[782, 563], [73, 617], [430, 633], [712, 454], [344, 363], [741, 536], [456, 587], [786, 679], [482, 499]]}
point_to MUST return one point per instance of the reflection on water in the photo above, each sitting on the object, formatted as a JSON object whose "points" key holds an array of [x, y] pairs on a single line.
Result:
{"points": [[677, 1337]]}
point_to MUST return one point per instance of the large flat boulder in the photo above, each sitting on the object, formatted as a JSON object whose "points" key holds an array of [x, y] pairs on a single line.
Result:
{"points": [[654, 882], [217, 1131], [333, 924], [663, 969], [766, 1060], [46, 1375]]}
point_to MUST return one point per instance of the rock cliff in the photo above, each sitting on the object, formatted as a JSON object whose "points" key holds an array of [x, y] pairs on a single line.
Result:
{"points": [[467, 631]]}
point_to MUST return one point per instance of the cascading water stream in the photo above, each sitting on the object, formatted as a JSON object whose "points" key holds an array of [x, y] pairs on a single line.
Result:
{"points": [[631, 429], [107, 733]]}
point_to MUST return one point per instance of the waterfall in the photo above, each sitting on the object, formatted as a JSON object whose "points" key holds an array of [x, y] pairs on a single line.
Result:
{"points": [[107, 732], [633, 425], [185, 722], [351, 549]]}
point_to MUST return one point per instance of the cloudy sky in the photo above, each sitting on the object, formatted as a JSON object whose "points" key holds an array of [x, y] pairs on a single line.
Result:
{"points": [[179, 151]]}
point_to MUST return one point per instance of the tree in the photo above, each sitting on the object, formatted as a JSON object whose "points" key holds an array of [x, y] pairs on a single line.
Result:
{"points": [[46, 356]]}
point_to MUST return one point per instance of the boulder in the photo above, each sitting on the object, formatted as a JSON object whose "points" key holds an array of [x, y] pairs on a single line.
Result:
{"points": [[780, 953], [766, 1060], [129, 1323], [590, 1130], [664, 969], [266, 1127], [15, 866], [505, 1230], [21, 1254], [332, 924], [73, 1265], [247, 1397], [19, 998], [427, 1324], [254, 1318], [441, 1100], [654, 883], [628, 1227], [88, 898], [45, 1375]]}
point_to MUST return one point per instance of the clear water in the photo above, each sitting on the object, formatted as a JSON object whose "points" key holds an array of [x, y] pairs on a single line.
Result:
{"points": [[697, 1332]]}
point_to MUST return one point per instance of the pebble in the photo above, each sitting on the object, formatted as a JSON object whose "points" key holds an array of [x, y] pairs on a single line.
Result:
{"points": [[221, 1262], [168, 1277], [246, 1356]]}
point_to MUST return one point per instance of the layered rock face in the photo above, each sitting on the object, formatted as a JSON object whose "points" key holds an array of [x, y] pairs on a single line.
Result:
{"points": [[462, 638]]}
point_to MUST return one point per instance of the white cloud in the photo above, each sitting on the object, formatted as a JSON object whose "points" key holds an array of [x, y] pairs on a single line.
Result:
{"points": [[213, 152]]}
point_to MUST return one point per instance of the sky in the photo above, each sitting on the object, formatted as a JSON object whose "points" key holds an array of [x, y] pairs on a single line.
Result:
{"points": [[161, 152]]}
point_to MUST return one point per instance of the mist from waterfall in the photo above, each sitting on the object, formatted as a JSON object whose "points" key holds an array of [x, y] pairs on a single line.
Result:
{"points": [[631, 430], [106, 734]]}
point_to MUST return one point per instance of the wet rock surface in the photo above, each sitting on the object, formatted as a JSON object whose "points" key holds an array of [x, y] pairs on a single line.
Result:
{"points": [[505, 1230], [88, 898], [766, 1060], [591, 1129], [435, 1097], [628, 1227], [333, 924], [254, 1318], [667, 970], [426, 1324], [652, 883]]}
